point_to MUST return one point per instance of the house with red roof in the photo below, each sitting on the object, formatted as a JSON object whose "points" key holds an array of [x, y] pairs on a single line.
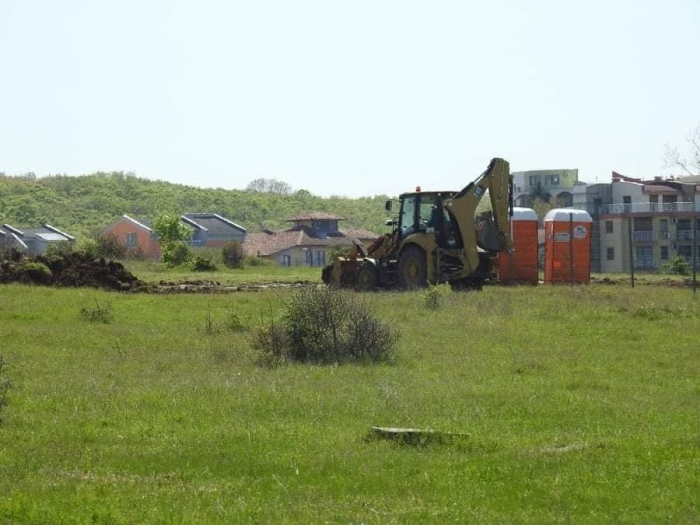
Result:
{"points": [[307, 242]]}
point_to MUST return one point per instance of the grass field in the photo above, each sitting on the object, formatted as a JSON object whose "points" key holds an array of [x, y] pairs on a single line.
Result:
{"points": [[576, 405]]}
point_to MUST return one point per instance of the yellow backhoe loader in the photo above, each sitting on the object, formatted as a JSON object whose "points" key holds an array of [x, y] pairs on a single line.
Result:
{"points": [[436, 238]]}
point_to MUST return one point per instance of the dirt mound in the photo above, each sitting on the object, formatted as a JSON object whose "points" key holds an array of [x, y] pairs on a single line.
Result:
{"points": [[75, 270]]}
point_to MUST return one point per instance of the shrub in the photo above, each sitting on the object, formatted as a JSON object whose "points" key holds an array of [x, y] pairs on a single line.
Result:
{"points": [[89, 247], [252, 260], [206, 252], [99, 312], [109, 247], [201, 264], [432, 297], [326, 325], [678, 266], [176, 254], [338, 250], [233, 255]]}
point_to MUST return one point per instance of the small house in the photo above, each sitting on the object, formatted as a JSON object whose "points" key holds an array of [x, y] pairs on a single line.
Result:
{"points": [[213, 230], [307, 242], [135, 234], [35, 240]]}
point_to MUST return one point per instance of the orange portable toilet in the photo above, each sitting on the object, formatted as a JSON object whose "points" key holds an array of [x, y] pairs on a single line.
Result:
{"points": [[521, 264], [567, 248]]}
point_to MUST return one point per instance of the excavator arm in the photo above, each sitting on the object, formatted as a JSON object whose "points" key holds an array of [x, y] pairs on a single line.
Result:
{"points": [[493, 233]]}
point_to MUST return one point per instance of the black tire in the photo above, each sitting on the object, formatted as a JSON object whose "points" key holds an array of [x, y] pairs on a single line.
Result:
{"points": [[466, 285], [366, 278], [412, 270]]}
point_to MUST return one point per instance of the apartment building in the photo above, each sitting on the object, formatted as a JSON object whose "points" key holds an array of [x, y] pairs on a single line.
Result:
{"points": [[641, 223], [546, 184]]}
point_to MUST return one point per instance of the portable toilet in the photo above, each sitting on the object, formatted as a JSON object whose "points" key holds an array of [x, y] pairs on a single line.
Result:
{"points": [[521, 265], [567, 248]]}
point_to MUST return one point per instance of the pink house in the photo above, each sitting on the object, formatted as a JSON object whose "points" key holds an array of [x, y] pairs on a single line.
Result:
{"points": [[135, 234]]}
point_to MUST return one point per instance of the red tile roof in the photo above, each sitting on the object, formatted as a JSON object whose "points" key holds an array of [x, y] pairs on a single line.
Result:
{"points": [[269, 243], [316, 215]]}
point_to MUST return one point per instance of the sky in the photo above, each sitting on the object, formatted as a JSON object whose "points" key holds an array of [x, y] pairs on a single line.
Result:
{"points": [[352, 98]]}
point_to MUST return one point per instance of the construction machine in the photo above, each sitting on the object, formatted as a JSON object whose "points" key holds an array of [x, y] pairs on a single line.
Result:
{"points": [[436, 238]]}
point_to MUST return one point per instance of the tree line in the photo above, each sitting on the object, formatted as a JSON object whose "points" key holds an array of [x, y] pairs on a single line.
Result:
{"points": [[84, 205]]}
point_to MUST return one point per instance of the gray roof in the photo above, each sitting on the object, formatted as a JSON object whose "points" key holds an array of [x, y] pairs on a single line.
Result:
{"points": [[45, 232], [213, 223]]}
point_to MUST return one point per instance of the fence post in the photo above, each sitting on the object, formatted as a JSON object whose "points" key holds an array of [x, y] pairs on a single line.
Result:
{"points": [[629, 223], [695, 250]]}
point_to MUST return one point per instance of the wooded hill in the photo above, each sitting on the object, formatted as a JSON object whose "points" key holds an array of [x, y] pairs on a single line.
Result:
{"points": [[84, 205]]}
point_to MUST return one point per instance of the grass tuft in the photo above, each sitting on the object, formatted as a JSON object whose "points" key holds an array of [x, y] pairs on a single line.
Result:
{"points": [[97, 313]]}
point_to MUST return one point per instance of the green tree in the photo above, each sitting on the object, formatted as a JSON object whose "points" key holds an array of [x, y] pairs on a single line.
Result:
{"points": [[170, 228], [269, 186], [173, 236]]}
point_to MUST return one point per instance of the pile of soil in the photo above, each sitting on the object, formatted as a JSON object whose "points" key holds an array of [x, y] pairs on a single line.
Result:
{"points": [[79, 270], [75, 270]]}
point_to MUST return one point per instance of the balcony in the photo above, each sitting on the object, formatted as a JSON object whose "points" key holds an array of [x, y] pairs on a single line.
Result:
{"points": [[643, 236], [649, 207], [686, 235], [650, 236]]}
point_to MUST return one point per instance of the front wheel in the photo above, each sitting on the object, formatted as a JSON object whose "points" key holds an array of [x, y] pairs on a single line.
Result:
{"points": [[366, 278], [412, 270]]}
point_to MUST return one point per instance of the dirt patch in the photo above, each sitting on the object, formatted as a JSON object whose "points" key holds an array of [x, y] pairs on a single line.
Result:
{"points": [[79, 270], [199, 286]]}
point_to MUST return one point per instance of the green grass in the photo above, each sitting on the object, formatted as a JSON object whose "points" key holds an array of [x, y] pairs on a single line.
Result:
{"points": [[579, 405], [151, 271]]}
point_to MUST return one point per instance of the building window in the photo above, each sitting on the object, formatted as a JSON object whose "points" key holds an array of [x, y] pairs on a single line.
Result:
{"points": [[131, 240], [534, 180], [551, 180], [608, 226], [319, 258], [645, 257], [664, 253], [286, 260], [611, 253], [627, 204]]}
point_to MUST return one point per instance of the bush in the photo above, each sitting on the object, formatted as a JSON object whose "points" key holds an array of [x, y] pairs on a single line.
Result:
{"points": [[109, 247], [326, 325], [678, 266], [201, 264], [176, 254], [338, 250], [233, 255], [88, 247], [432, 297], [99, 312], [252, 260]]}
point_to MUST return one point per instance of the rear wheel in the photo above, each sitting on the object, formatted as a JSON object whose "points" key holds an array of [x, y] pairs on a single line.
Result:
{"points": [[412, 271], [366, 278]]}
